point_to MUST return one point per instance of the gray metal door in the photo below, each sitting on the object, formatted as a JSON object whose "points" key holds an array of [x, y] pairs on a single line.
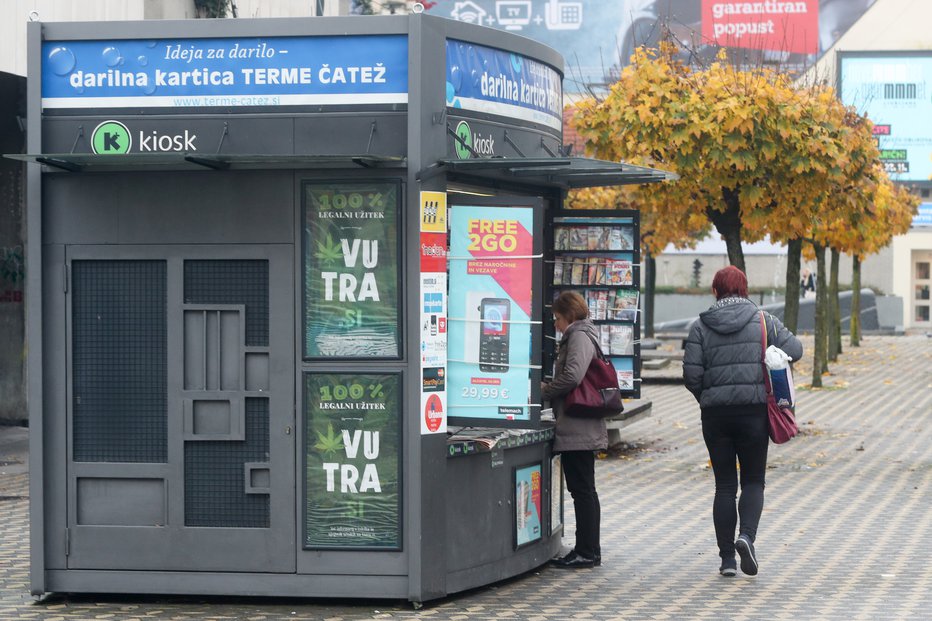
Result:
{"points": [[181, 416]]}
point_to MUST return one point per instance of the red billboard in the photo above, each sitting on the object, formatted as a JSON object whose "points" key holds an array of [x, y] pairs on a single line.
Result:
{"points": [[791, 27]]}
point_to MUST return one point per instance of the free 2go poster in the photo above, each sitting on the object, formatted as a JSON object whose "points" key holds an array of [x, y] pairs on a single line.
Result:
{"points": [[489, 343]]}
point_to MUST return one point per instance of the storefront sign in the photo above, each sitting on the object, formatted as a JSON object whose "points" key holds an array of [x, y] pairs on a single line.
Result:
{"points": [[490, 312], [351, 275], [353, 474], [228, 72], [484, 79]]}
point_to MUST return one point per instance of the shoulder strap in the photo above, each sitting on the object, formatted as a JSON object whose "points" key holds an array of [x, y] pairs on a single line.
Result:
{"points": [[763, 351], [598, 350]]}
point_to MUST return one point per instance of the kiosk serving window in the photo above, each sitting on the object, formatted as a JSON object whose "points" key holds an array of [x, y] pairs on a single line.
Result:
{"points": [[351, 270]]}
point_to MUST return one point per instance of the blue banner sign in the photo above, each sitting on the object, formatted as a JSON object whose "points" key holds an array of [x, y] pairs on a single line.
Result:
{"points": [[279, 71], [924, 216], [484, 79]]}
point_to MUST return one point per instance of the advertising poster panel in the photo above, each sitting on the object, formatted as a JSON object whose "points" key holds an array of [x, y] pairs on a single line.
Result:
{"points": [[597, 37], [484, 79], [527, 505], [489, 341], [351, 274], [433, 317], [892, 89], [352, 445], [227, 72]]}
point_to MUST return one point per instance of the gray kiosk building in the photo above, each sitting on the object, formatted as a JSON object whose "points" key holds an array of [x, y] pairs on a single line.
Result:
{"points": [[266, 261]]}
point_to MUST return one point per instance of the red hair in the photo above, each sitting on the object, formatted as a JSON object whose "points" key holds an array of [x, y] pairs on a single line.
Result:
{"points": [[730, 282]]}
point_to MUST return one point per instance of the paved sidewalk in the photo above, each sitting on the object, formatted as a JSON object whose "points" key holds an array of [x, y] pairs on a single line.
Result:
{"points": [[846, 532]]}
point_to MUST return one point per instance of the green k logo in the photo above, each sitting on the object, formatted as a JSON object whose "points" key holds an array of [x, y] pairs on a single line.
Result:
{"points": [[465, 134], [111, 137]]}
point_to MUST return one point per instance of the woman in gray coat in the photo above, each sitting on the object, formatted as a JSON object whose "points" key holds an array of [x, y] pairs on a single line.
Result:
{"points": [[577, 438], [722, 368]]}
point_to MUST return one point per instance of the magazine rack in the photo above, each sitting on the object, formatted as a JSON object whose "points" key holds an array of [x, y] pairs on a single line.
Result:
{"points": [[597, 254]]}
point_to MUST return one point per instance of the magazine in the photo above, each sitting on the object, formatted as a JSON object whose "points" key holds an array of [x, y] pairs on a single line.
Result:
{"points": [[601, 309], [602, 276], [621, 273], [592, 300], [622, 340], [593, 270], [592, 237], [578, 277], [579, 238], [558, 271], [624, 305], [605, 338], [561, 239], [614, 241]]}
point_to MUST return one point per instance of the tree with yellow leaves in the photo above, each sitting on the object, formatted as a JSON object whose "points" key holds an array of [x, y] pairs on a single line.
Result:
{"points": [[756, 155], [752, 151]]}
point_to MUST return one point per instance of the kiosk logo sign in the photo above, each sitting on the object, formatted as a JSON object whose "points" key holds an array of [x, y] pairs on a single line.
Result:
{"points": [[467, 142], [114, 138], [111, 138]]}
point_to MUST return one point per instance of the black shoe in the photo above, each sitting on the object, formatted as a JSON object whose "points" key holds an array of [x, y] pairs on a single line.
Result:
{"points": [[729, 567], [745, 550], [574, 560]]}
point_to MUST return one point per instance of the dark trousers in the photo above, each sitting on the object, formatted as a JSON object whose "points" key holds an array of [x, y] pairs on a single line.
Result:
{"points": [[579, 470], [742, 435]]}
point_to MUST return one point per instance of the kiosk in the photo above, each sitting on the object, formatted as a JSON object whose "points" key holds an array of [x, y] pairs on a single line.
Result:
{"points": [[274, 265]]}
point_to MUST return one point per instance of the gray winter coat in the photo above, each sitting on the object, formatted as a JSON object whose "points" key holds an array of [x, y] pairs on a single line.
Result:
{"points": [[575, 353], [722, 357]]}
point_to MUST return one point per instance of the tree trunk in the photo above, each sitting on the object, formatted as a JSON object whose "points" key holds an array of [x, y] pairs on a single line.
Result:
{"points": [[794, 251], [834, 333], [819, 363], [728, 225], [650, 285], [855, 301]]}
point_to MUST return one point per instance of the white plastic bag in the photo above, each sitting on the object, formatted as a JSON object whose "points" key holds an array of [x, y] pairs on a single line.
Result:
{"points": [[781, 376], [776, 358]]}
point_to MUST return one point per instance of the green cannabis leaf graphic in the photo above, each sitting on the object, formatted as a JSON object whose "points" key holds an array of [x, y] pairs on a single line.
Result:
{"points": [[330, 443], [328, 251]]}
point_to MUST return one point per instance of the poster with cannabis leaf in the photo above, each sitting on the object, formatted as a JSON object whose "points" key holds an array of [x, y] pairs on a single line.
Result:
{"points": [[351, 273], [352, 446]]}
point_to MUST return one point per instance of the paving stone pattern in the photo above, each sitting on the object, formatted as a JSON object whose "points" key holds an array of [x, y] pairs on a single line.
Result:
{"points": [[846, 532]]}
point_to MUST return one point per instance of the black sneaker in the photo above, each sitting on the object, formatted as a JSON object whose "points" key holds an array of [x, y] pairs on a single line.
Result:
{"points": [[729, 567], [745, 550]]}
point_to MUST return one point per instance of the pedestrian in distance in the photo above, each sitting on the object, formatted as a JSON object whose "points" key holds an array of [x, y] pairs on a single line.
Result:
{"points": [[722, 368], [807, 284], [577, 439]]}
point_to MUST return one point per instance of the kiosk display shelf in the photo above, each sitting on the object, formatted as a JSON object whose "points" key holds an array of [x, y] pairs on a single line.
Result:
{"points": [[596, 254]]}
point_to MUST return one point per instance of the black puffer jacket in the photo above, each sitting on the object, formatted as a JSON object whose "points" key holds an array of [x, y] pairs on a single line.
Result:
{"points": [[722, 358]]}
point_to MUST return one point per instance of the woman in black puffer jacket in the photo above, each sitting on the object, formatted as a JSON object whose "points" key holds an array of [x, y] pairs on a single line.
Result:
{"points": [[722, 368]]}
